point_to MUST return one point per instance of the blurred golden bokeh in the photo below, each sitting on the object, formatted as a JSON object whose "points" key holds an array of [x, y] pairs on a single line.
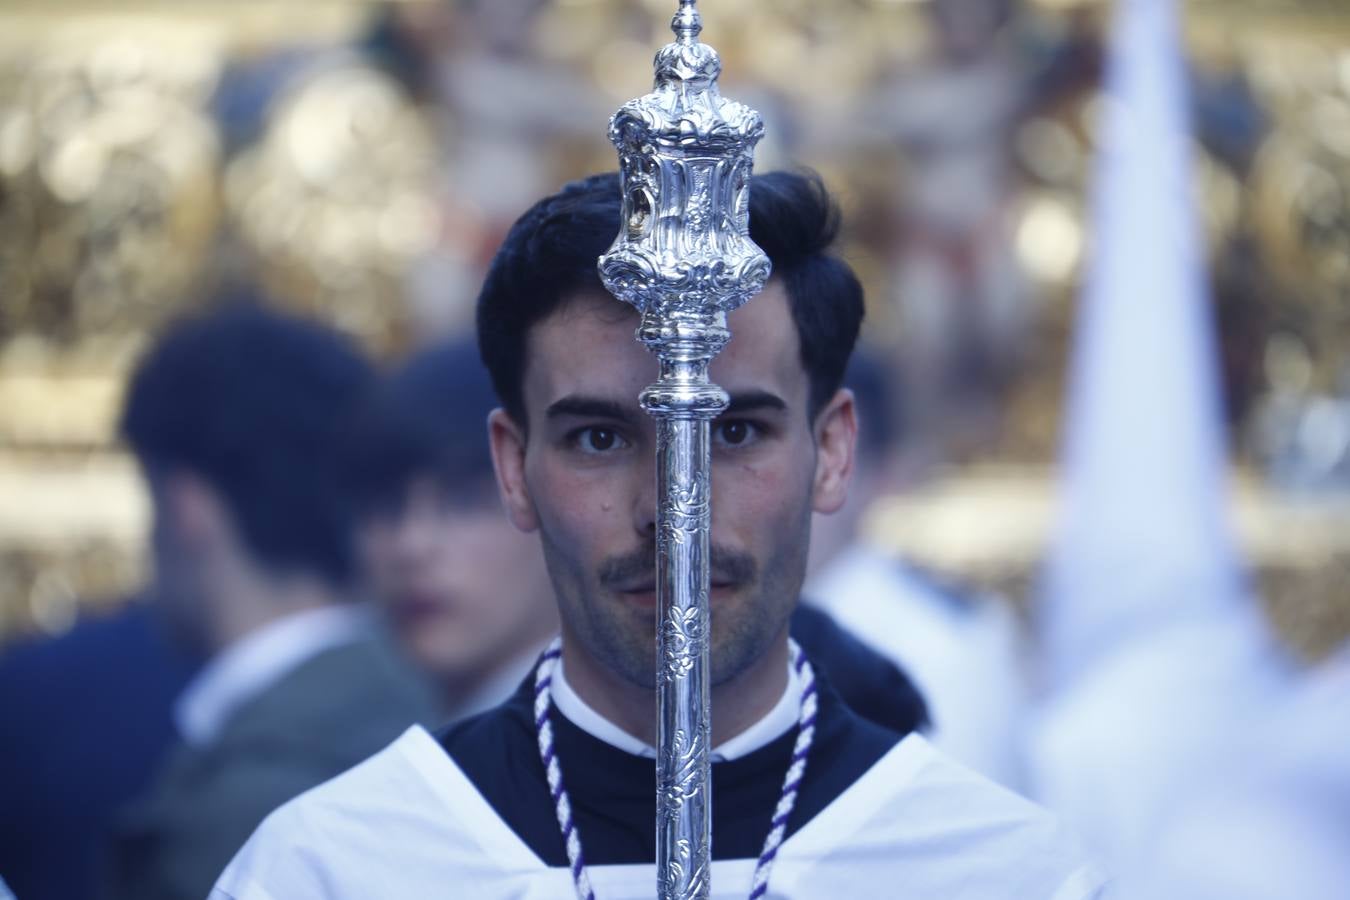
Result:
{"points": [[360, 161]]}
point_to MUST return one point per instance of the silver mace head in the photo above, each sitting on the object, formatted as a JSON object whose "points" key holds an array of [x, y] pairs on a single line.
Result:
{"points": [[684, 258], [683, 255]]}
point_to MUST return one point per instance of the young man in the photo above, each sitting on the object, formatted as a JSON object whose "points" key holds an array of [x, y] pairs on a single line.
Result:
{"points": [[482, 811], [232, 415], [465, 593]]}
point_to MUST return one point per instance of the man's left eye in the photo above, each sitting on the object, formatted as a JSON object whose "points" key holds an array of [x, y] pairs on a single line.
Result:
{"points": [[734, 433], [596, 440]]}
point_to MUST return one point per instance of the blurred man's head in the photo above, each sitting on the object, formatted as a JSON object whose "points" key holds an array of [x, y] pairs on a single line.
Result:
{"points": [[234, 415], [575, 453], [465, 591]]}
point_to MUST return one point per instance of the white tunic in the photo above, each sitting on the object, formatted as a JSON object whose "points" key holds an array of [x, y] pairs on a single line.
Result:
{"points": [[409, 824]]}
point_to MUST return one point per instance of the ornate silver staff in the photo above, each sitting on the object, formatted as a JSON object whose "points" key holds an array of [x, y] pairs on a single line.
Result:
{"points": [[684, 258]]}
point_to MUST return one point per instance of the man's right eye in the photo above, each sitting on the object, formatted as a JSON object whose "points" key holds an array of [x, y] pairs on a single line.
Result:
{"points": [[595, 440]]}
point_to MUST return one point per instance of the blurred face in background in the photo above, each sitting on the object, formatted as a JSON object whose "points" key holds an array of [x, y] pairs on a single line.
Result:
{"points": [[465, 591]]}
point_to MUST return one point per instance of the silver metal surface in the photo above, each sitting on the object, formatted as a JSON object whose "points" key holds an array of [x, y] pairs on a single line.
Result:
{"points": [[684, 258]]}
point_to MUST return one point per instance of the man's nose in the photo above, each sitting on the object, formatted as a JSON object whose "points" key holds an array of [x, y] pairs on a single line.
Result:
{"points": [[644, 499], [414, 536]]}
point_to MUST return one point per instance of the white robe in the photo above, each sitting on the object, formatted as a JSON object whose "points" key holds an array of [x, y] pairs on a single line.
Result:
{"points": [[409, 824]]}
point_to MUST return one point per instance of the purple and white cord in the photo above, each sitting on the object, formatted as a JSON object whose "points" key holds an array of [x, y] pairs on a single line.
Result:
{"points": [[543, 678], [806, 732]]}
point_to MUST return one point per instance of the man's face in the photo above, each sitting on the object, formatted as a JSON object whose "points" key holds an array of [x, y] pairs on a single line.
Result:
{"points": [[463, 590], [582, 471]]}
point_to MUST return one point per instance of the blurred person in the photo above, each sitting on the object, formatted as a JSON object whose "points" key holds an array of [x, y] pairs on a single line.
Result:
{"points": [[964, 307], [506, 800], [508, 117], [1154, 653], [1272, 819], [467, 593], [484, 123], [963, 300], [115, 676], [963, 650], [510, 113], [234, 416]]}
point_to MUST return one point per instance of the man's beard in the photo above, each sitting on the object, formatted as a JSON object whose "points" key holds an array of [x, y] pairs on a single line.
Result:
{"points": [[622, 637]]}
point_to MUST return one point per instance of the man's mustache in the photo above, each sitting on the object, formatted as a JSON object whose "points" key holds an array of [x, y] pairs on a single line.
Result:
{"points": [[728, 567]]}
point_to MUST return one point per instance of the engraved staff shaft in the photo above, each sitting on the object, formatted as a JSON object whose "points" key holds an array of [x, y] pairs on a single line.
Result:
{"points": [[684, 258]]}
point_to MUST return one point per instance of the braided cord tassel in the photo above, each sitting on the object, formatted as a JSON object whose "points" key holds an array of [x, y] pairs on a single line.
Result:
{"points": [[543, 678], [806, 733]]}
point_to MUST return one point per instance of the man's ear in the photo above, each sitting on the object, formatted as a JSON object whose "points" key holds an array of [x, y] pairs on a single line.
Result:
{"points": [[836, 433], [507, 440]]}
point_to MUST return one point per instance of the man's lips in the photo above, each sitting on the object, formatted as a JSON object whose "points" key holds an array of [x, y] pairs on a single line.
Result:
{"points": [[646, 593], [632, 577], [414, 607]]}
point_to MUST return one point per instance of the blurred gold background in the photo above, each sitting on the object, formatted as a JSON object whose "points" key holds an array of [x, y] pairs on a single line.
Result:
{"points": [[360, 161]]}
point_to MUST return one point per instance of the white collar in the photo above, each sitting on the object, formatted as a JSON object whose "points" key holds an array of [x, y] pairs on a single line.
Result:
{"points": [[775, 722], [255, 662]]}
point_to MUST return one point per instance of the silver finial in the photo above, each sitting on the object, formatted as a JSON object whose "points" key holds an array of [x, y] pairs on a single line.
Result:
{"points": [[687, 22]]}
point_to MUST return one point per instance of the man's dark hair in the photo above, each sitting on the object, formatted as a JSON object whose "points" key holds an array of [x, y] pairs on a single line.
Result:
{"points": [[254, 403], [428, 417], [550, 254]]}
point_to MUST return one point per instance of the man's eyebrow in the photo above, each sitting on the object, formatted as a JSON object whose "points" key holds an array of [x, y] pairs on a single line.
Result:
{"points": [[750, 401], [582, 406], [590, 407]]}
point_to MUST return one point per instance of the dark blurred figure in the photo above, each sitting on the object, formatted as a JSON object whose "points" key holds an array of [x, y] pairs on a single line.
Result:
{"points": [[961, 649], [466, 592], [109, 682], [235, 417]]}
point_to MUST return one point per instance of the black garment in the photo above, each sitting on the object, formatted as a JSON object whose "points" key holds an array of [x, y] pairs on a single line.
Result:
{"points": [[872, 686], [111, 679], [613, 793]]}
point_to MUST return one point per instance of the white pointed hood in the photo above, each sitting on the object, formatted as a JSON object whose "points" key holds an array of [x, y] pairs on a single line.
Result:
{"points": [[1143, 537]]}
